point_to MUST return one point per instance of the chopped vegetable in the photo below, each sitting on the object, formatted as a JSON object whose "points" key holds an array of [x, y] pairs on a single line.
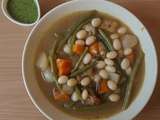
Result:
{"points": [[105, 40], [103, 87], [78, 49], [130, 81], [94, 48], [60, 96], [42, 61], [64, 66]]}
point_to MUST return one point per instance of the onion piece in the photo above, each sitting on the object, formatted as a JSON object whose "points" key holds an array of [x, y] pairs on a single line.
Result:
{"points": [[42, 61], [47, 75]]}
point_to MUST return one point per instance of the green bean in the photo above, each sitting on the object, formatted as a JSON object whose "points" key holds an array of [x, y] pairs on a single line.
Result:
{"points": [[82, 70], [71, 34], [52, 61], [105, 40], [80, 59], [130, 81]]}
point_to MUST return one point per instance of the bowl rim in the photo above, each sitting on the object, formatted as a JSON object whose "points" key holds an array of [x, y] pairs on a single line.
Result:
{"points": [[7, 15], [131, 14]]}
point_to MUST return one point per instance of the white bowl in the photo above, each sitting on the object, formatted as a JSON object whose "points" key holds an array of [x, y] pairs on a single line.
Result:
{"points": [[48, 110], [5, 12]]}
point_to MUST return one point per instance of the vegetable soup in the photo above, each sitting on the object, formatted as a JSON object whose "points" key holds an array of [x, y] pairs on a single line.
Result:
{"points": [[90, 65]]}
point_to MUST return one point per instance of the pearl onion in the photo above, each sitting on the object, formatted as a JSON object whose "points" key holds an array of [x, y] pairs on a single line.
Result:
{"points": [[62, 79], [90, 40], [114, 97], [96, 22], [82, 34], [103, 73]]}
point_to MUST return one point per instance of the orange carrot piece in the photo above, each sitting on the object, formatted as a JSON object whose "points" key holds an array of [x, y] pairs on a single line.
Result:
{"points": [[103, 88], [78, 49], [64, 66], [60, 96], [94, 48]]}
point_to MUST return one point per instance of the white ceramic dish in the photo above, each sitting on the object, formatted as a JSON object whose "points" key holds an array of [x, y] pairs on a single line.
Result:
{"points": [[5, 12], [124, 15]]}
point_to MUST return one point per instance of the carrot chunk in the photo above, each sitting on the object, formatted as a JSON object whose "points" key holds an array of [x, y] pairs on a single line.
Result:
{"points": [[78, 49], [60, 96], [103, 88], [64, 66], [131, 57], [94, 48]]}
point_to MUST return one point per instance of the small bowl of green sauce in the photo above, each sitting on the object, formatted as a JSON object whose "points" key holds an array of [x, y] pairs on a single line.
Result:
{"points": [[21, 12]]}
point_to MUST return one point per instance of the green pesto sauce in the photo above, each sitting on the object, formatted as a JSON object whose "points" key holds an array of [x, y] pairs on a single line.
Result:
{"points": [[24, 11]]}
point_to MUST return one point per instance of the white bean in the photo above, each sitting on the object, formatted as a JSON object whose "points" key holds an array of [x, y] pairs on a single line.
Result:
{"points": [[62, 79], [114, 76], [125, 64], [75, 97], [114, 36], [111, 85], [72, 82], [117, 44], [100, 64], [122, 30], [128, 51], [85, 81], [103, 73], [80, 42], [87, 58], [67, 49], [109, 68], [90, 40], [109, 61], [96, 22], [84, 94], [82, 34], [97, 78], [111, 55], [114, 97], [129, 70]]}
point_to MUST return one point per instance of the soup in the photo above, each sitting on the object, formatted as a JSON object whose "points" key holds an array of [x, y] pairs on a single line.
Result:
{"points": [[88, 65]]}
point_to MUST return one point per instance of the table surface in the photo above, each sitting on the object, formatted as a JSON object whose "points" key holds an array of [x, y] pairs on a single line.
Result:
{"points": [[14, 101]]}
